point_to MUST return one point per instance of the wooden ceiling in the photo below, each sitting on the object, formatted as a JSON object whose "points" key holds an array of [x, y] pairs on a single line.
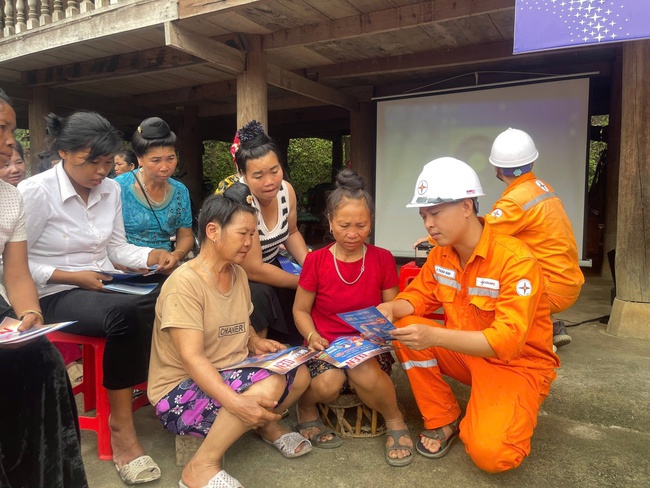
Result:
{"points": [[155, 56]]}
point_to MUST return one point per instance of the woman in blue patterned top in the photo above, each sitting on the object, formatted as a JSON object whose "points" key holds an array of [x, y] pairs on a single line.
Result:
{"points": [[155, 207]]}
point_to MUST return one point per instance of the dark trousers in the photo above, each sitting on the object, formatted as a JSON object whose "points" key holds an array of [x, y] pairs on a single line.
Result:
{"points": [[39, 432], [125, 320]]}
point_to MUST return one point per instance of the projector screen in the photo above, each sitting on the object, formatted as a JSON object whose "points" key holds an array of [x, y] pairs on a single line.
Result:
{"points": [[413, 131]]}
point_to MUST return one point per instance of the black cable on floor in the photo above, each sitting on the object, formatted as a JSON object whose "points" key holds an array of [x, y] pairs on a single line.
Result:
{"points": [[603, 320]]}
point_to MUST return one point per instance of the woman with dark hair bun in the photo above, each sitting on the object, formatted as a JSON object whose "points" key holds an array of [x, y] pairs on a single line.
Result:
{"points": [[257, 160], [124, 162], [365, 276], [202, 327], [75, 233], [39, 437], [156, 208]]}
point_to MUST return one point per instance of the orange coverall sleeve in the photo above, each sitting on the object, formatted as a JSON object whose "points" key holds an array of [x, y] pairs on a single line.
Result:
{"points": [[511, 221], [516, 307]]}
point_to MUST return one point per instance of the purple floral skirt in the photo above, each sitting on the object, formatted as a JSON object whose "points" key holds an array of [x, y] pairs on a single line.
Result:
{"points": [[187, 410]]}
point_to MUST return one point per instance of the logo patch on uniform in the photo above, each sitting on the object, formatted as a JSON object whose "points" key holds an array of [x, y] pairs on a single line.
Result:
{"points": [[449, 273], [233, 329], [487, 283], [497, 212], [524, 288], [541, 185], [423, 186]]}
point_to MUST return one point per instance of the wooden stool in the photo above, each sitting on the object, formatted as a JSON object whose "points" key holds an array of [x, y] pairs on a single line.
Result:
{"points": [[349, 417]]}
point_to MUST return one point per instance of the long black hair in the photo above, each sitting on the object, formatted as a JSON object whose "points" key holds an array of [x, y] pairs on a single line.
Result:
{"points": [[83, 130], [221, 209]]}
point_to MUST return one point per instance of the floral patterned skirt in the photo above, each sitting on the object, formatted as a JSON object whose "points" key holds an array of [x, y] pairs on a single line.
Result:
{"points": [[188, 410]]}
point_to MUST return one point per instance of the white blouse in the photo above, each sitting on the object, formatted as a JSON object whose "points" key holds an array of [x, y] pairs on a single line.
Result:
{"points": [[12, 222], [65, 233]]}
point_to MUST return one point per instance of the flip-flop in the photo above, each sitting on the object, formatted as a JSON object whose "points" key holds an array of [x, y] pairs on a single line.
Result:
{"points": [[289, 442], [332, 443], [397, 434], [219, 480], [438, 435]]}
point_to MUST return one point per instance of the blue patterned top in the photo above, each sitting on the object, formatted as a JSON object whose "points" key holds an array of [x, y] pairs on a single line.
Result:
{"points": [[141, 226]]}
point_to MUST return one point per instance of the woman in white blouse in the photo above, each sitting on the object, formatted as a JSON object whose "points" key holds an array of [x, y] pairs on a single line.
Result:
{"points": [[74, 232]]}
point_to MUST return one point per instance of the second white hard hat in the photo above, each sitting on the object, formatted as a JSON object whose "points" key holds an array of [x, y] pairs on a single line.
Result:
{"points": [[445, 180], [513, 148]]}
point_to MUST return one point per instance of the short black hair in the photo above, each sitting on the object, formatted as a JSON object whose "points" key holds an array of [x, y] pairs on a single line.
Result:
{"points": [[128, 156], [222, 208], [5, 98], [19, 149], [83, 130]]}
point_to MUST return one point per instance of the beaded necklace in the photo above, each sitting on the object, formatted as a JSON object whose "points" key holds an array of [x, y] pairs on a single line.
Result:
{"points": [[363, 266]]}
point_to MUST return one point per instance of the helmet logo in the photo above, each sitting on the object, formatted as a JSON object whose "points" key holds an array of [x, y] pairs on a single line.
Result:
{"points": [[524, 288], [470, 192], [423, 186], [541, 185], [497, 212]]}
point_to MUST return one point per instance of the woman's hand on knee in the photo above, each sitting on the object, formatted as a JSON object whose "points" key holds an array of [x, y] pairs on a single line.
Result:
{"points": [[253, 410]]}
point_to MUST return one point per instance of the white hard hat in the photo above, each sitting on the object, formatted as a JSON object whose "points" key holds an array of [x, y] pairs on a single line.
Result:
{"points": [[513, 148], [445, 180]]}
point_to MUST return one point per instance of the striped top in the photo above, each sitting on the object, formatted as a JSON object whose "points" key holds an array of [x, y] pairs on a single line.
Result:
{"points": [[271, 239]]}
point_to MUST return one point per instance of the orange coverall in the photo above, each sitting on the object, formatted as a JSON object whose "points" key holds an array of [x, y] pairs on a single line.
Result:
{"points": [[500, 293], [530, 210]]}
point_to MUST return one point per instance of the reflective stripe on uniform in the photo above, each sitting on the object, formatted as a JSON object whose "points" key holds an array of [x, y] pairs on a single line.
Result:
{"points": [[443, 280], [482, 292], [431, 363], [537, 199]]}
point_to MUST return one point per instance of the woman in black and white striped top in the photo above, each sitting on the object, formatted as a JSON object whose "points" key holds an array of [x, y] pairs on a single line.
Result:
{"points": [[257, 158]]}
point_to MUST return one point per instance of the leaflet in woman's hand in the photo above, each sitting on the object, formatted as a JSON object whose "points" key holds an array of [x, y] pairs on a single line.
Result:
{"points": [[370, 322], [280, 362], [350, 351], [9, 333]]}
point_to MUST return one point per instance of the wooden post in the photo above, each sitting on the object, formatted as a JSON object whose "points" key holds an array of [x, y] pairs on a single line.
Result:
{"points": [[252, 102], [337, 155], [630, 316], [39, 107], [362, 145], [191, 155], [613, 164]]}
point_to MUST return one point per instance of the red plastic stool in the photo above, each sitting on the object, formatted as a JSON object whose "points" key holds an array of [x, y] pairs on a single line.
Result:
{"points": [[406, 274], [95, 396]]}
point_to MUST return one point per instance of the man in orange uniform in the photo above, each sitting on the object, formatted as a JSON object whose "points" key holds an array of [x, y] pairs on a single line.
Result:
{"points": [[530, 210], [498, 334]]}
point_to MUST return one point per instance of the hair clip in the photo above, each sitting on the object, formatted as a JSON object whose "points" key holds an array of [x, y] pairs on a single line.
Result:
{"points": [[139, 129], [250, 131], [249, 199]]}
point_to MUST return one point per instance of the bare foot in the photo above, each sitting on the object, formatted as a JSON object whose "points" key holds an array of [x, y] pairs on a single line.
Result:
{"points": [[404, 440]]}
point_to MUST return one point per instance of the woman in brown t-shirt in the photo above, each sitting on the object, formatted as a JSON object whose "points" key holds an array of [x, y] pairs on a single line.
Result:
{"points": [[202, 326]]}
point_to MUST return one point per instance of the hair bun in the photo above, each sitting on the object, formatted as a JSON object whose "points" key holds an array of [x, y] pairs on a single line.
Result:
{"points": [[239, 193], [250, 131], [153, 128], [347, 178]]}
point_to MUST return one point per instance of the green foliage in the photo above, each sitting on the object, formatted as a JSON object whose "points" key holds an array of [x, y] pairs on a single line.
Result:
{"points": [[596, 147], [309, 161]]}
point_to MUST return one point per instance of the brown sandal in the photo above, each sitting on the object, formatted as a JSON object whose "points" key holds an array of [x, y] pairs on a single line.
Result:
{"points": [[439, 435]]}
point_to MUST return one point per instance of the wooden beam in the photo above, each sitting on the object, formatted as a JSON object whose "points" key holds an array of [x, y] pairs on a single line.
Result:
{"points": [[216, 53], [117, 66], [294, 83], [186, 95], [104, 22], [192, 8], [382, 21], [17, 91], [39, 107]]}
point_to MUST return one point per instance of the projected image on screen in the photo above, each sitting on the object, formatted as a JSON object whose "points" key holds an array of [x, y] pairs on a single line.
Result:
{"points": [[411, 132]]}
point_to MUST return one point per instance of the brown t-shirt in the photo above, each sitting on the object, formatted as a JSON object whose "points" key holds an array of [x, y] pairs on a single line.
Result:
{"points": [[186, 301]]}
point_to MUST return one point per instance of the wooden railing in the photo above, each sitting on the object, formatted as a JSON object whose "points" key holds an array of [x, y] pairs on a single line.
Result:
{"points": [[18, 16]]}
